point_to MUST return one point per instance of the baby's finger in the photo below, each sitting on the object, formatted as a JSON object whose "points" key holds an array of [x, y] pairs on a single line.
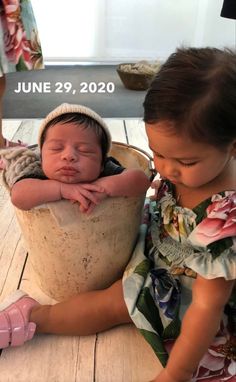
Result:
{"points": [[92, 187], [72, 201], [82, 209], [90, 209], [91, 196], [83, 200]]}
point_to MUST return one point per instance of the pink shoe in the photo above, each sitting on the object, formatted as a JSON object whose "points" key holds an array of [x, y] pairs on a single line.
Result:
{"points": [[15, 327]]}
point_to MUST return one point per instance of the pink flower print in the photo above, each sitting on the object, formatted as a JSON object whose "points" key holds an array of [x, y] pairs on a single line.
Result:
{"points": [[219, 223], [215, 366], [12, 14], [15, 40]]}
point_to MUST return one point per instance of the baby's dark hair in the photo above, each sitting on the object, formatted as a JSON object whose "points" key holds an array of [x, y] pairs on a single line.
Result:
{"points": [[80, 119], [196, 90]]}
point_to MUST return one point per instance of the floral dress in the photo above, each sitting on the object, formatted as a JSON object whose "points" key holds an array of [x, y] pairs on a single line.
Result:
{"points": [[20, 48], [175, 245]]}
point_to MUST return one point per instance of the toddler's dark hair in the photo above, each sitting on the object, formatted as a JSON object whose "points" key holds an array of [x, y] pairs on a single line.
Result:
{"points": [[80, 119], [196, 90]]}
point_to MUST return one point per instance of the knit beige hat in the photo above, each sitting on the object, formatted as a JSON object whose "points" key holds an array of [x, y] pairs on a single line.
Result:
{"points": [[69, 108]]}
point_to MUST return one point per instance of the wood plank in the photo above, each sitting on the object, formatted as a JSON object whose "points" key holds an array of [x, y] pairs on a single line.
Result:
{"points": [[10, 238], [14, 272], [38, 360], [123, 355], [136, 134], [28, 131], [116, 128], [10, 127], [65, 358], [4, 196]]}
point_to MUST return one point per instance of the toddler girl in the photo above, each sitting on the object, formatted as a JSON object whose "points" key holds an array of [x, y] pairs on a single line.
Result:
{"points": [[178, 288]]}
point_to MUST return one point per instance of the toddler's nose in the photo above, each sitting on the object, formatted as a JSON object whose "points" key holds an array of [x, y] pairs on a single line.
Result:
{"points": [[170, 170]]}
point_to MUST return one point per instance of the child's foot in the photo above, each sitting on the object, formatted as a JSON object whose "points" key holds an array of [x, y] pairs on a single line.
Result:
{"points": [[15, 327]]}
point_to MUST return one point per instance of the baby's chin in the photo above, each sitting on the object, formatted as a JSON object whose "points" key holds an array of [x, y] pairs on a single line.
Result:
{"points": [[70, 179]]}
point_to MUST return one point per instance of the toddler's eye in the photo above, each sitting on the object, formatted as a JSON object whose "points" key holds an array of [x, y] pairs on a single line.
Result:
{"points": [[158, 155], [188, 164]]}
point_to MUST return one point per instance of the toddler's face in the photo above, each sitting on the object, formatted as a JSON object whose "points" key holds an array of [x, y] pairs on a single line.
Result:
{"points": [[184, 161], [71, 154]]}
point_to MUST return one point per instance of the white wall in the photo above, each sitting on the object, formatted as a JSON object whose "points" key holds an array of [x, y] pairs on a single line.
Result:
{"points": [[116, 30]]}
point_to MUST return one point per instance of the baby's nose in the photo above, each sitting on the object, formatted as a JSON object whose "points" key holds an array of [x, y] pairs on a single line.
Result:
{"points": [[69, 154]]}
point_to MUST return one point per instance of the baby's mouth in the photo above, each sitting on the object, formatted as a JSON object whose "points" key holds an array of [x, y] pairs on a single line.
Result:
{"points": [[68, 170]]}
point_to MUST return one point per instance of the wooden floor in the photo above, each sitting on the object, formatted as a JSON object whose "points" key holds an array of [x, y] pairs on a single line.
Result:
{"points": [[117, 355]]}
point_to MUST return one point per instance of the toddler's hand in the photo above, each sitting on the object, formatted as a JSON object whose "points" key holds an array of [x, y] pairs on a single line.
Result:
{"points": [[84, 193], [164, 376]]}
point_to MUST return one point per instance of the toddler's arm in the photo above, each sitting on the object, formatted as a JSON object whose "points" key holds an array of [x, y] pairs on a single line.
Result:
{"points": [[132, 182], [200, 325], [29, 193]]}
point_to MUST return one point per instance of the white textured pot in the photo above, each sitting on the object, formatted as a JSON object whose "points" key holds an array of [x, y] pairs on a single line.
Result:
{"points": [[75, 252]]}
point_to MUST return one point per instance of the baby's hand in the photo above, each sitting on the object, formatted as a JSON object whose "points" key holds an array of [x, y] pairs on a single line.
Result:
{"points": [[99, 196], [106, 183], [155, 185], [84, 193]]}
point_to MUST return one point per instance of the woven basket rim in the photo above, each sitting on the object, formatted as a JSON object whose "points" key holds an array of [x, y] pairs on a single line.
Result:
{"points": [[119, 70]]}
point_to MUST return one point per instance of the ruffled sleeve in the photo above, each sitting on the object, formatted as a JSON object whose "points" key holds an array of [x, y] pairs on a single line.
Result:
{"points": [[204, 264], [214, 239]]}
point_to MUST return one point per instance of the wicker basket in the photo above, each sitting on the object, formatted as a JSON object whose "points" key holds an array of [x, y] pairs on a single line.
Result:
{"points": [[134, 81]]}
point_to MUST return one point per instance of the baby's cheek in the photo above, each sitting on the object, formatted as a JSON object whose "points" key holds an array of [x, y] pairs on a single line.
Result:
{"points": [[47, 168]]}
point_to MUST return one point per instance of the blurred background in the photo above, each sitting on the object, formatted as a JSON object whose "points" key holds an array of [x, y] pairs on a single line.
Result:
{"points": [[111, 31]]}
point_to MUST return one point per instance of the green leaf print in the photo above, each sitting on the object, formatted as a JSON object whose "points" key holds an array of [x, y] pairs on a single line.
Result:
{"points": [[219, 246], [156, 343], [172, 330], [146, 305], [200, 210], [20, 66], [143, 268]]}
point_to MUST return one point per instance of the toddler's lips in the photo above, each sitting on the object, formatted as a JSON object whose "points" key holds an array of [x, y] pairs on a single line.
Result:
{"points": [[174, 181]]}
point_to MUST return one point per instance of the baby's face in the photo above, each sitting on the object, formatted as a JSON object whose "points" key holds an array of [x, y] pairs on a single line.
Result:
{"points": [[71, 154]]}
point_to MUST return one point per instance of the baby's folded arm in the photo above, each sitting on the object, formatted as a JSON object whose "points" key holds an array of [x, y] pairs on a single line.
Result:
{"points": [[84, 193], [131, 182], [29, 193]]}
